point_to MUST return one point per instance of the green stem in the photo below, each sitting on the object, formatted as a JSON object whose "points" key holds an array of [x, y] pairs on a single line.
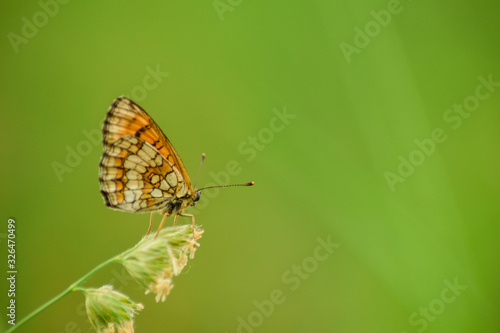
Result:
{"points": [[71, 288]]}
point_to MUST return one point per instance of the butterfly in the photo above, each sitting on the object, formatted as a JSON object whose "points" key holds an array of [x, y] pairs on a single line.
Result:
{"points": [[140, 171]]}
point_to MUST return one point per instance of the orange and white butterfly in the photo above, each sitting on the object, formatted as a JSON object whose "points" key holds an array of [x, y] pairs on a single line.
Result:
{"points": [[140, 171]]}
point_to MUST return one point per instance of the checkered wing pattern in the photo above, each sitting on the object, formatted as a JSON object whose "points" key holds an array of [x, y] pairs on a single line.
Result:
{"points": [[140, 170]]}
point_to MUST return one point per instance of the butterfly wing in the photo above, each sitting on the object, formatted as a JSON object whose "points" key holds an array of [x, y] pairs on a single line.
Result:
{"points": [[140, 169]]}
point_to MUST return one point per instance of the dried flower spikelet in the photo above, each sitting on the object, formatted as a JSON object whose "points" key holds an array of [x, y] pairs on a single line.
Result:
{"points": [[155, 260], [109, 310], [129, 327], [162, 286], [147, 260], [184, 241]]}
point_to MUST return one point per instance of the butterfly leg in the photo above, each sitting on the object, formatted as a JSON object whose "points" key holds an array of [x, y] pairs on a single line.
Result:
{"points": [[161, 224], [192, 218], [150, 224]]}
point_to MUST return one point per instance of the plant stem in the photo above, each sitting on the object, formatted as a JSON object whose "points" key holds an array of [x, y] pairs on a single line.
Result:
{"points": [[71, 288]]}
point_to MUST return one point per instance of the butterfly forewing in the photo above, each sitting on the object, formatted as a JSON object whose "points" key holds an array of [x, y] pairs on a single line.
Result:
{"points": [[139, 170]]}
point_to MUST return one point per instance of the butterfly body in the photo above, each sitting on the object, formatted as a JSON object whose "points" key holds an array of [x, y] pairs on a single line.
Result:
{"points": [[140, 171]]}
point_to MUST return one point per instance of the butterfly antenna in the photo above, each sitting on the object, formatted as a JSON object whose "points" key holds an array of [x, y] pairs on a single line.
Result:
{"points": [[217, 186], [201, 163]]}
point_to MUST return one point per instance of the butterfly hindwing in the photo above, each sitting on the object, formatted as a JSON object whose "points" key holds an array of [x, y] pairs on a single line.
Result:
{"points": [[134, 176]]}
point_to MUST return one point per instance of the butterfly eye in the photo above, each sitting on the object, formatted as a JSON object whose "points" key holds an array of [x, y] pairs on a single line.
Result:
{"points": [[198, 195]]}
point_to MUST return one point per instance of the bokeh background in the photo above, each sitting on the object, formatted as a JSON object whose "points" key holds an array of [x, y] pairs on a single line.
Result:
{"points": [[322, 173]]}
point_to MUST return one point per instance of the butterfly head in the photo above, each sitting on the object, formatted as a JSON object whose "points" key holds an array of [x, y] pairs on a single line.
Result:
{"points": [[197, 197], [192, 199]]}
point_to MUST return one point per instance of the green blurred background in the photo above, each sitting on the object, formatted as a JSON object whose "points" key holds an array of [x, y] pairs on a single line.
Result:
{"points": [[321, 175]]}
